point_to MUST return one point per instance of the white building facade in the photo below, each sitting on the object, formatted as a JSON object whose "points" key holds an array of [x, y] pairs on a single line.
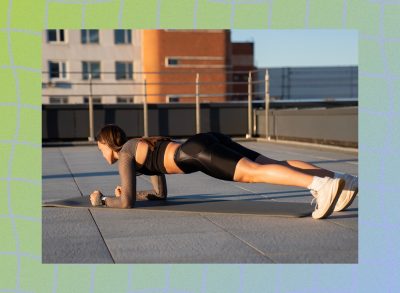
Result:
{"points": [[103, 64]]}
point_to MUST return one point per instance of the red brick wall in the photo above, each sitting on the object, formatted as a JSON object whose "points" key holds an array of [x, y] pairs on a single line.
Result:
{"points": [[187, 46]]}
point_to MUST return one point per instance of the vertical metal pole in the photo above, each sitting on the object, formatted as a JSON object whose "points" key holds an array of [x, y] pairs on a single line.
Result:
{"points": [[267, 98], [249, 108], [145, 111], [91, 131], [254, 121], [198, 129]]}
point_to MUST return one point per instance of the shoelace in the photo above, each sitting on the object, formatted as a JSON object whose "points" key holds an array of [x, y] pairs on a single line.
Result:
{"points": [[316, 205]]}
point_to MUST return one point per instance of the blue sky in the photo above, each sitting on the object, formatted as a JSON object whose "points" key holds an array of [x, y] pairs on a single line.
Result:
{"points": [[287, 48]]}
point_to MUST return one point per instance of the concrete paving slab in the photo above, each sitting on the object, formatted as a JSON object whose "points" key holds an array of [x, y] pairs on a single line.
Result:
{"points": [[287, 240], [210, 247], [347, 218], [317, 257], [72, 236], [57, 180], [152, 237], [57, 189], [54, 163]]}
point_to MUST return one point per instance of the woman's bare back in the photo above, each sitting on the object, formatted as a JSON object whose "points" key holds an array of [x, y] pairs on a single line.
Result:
{"points": [[169, 162]]}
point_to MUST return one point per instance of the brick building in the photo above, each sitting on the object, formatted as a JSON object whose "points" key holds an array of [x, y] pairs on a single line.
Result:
{"points": [[118, 61], [183, 53]]}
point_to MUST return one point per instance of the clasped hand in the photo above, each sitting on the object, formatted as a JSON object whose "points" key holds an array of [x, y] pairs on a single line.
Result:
{"points": [[118, 191], [95, 198]]}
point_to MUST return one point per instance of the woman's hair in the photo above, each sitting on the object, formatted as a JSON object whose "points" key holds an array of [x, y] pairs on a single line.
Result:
{"points": [[115, 137], [151, 141]]}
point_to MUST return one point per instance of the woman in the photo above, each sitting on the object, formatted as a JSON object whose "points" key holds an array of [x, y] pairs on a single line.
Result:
{"points": [[218, 156]]}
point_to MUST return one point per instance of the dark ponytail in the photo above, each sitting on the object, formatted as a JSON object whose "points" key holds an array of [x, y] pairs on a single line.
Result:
{"points": [[113, 136], [152, 140]]}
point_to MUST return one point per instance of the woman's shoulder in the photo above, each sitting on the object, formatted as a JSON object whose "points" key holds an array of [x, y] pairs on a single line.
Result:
{"points": [[129, 146]]}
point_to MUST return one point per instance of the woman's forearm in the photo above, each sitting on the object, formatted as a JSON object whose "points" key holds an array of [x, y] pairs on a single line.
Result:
{"points": [[160, 185], [126, 169], [121, 202]]}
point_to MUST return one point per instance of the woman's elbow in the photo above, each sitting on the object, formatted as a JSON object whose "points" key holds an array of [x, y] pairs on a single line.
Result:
{"points": [[127, 204]]}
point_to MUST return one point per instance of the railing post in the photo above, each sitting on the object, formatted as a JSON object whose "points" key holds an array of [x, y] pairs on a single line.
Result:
{"points": [[145, 110], [249, 108], [267, 104], [91, 130], [198, 129]]}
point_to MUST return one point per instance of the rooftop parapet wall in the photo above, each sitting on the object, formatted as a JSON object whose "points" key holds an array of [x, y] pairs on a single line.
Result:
{"points": [[338, 125]]}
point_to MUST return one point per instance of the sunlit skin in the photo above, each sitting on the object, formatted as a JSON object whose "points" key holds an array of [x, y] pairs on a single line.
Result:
{"points": [[263, 169], [111, 157]]}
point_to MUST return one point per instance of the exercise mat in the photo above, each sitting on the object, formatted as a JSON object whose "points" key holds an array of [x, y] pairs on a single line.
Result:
{"points": [[243, 207]]}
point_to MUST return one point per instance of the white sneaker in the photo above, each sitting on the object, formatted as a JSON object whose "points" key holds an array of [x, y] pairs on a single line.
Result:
{"points": [[348, 194], [327, 197]]}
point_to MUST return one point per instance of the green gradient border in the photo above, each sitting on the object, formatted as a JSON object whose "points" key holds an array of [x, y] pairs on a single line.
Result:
{"points": [[21, 23]]}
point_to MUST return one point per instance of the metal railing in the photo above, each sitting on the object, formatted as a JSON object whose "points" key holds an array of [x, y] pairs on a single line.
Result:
{"points": [[91, 82], [199, 95]]}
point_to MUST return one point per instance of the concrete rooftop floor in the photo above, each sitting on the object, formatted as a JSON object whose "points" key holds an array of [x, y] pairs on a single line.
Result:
{"points": [[74, 235]]}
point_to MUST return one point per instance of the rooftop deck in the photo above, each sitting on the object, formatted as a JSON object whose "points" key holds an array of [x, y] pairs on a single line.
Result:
{"points": [[136, 236]]}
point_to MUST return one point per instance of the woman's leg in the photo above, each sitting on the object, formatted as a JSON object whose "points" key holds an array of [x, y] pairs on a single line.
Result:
{"points": [[205, 153], [297, 165], [328, 190], [350, 189], [218, 156], [261, 159], [229, 143], [252, 172]]}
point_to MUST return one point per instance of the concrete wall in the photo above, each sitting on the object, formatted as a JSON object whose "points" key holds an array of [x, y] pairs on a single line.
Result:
{"points": [[337, 126]]}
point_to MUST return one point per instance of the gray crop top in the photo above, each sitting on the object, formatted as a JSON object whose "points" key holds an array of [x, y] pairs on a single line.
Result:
{"points": [[127, 168]]}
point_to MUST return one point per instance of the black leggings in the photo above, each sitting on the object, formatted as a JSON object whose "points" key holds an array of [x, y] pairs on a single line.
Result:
{"points": [[212, 153]]}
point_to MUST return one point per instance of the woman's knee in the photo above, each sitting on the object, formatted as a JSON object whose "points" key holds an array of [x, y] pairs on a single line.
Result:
{"points": [[263, 160], [246, 171]]}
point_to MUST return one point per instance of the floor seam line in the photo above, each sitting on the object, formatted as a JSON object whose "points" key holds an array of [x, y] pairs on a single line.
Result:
{"points": [[240, 239], [101, 235], [70, 171], [340, 225], [90, 212]]}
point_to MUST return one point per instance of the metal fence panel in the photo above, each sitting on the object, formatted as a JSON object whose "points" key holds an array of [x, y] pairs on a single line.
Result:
{"points": [[71, 122]]}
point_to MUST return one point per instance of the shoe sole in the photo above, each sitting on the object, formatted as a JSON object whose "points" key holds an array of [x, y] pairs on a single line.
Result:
{"points": [[333, 204], [349, 203]]}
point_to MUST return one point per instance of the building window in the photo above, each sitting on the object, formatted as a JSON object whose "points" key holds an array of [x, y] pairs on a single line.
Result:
{"points": [[172, 61], [122, 37], [96, 100], [57, 69], [89, 36], [123, 70], [124, 100], [240, 77], [58, 100], [55, 36], [172, 99], [89, 67]]}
